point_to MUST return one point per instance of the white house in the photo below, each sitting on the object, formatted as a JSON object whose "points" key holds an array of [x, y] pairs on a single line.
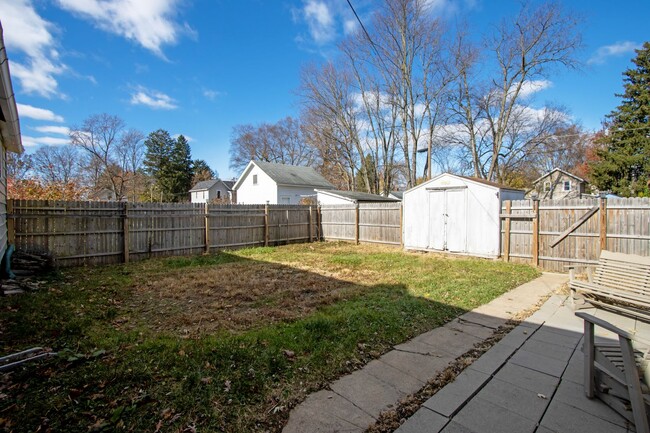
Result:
{"points": [[9, 136], [326, 197], [267, 182], [208, 191], [456, 214]]}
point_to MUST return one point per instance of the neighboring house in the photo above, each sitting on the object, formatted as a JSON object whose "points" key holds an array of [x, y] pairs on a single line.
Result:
{"points": [[349, 197], [558, 184], [456, 214], [267, 182], [9, 137], [102, 194], [208, 191]]}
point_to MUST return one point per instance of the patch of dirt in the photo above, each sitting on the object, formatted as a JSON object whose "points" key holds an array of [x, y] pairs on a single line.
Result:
{"points": [[235, 296]]}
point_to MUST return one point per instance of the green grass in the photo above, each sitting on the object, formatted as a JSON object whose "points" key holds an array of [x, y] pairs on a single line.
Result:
{"points": [[154, 375]]}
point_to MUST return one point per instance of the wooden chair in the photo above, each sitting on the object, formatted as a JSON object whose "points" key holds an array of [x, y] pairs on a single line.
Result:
{"points": [[617, 373]]}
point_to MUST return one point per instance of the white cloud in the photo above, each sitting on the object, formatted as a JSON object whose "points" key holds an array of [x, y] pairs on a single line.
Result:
{"points": [[38, 113], [47, 141], [211, 94], [149, 23], [350, 26], [153, 99], [529, 88], [617, 49], [320, 21], [25, 31], [53, 129]]}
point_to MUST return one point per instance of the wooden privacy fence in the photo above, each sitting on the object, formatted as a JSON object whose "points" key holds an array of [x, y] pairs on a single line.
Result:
{"points": [[555, 234], [363, 222], [77, 233]]}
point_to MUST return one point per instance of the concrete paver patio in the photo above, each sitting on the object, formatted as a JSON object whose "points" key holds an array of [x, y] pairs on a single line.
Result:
{"points": [[530, 381], [533, 385], [355, 401]]}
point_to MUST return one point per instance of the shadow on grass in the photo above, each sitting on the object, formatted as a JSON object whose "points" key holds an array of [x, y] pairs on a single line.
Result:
{"points": [[219, 343]]}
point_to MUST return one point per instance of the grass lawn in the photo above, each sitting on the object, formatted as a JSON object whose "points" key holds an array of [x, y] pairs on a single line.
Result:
{"points": [[227, 342]]}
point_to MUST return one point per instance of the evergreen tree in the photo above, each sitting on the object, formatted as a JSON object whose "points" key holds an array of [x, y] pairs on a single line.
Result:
{"points": [[202, 171], [181, 170], [160, 146], [624, 156]]}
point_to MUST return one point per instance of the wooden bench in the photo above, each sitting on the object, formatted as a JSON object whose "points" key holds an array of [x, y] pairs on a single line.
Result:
{"points": [[620, 282], [617, 372]]}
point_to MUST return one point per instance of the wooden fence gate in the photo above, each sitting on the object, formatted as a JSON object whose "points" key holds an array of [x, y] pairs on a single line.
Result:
{"points": [[554, 234]]}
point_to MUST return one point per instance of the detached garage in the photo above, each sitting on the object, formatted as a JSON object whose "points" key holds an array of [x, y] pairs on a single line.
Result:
{"points": [[456, 214]]}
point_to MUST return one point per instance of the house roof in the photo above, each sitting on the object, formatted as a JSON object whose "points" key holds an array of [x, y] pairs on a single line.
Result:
{"points": [[357, 196], [398, 194], [8, 111], [561, 171], [289, 175], [205, 185]]}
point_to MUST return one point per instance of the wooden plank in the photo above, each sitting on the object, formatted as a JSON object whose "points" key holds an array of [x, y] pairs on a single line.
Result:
{"points": [[603, 224], [125, 234], [506, 239], [535, 235], [574, 226]]}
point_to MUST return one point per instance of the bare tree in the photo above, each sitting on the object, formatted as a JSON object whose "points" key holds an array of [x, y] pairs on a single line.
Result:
{"points": [[522, 51], [282, 142], [56, 164], [115, 154]]}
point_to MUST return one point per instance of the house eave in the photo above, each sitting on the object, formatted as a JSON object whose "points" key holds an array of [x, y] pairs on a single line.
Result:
{"points": [[11, 138]]}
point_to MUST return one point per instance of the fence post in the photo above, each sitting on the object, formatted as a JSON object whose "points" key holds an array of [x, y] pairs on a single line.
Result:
{"points": [[356, 223], [310, 225], [506, 239], [401, 224], [319, 224], [603, 222], [207, 228], [535, 242], [266, 224], [11, 223], [125, 231]]}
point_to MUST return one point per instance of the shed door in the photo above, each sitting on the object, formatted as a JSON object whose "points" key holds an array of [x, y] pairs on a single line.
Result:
{"points": [[436, 220], [456, 216], [447, 219]]}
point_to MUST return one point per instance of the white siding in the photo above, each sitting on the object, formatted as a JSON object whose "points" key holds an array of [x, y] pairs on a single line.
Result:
{"points": [[293, 194], [325, 199], [265, 190], [455, 214]]}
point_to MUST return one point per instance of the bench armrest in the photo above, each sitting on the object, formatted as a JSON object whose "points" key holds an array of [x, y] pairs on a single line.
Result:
{"points": [[606, 325]]}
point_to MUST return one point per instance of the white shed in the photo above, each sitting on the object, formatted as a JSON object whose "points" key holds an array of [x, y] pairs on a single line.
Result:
{"points": [[456, 214]]}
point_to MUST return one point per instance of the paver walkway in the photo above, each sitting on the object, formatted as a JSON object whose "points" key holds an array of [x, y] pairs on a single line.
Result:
{"points": [[355, 401], [531, 381]]}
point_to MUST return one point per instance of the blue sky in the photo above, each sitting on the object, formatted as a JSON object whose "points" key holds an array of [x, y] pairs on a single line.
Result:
{"points": [[200, 67]]}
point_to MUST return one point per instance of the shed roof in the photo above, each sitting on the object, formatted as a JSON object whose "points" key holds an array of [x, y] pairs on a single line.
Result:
{"points": [[490, 183], [470, 179], [289, 175], [357, 196]]}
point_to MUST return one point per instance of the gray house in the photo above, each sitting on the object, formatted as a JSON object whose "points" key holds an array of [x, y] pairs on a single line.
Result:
{"points": [[558, 184], [212, 190], [9, 137]]}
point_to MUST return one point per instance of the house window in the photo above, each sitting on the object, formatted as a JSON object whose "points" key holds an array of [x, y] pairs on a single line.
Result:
{"points": [[254, 179], [567, 185], [547, 186], [218, 194]]}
